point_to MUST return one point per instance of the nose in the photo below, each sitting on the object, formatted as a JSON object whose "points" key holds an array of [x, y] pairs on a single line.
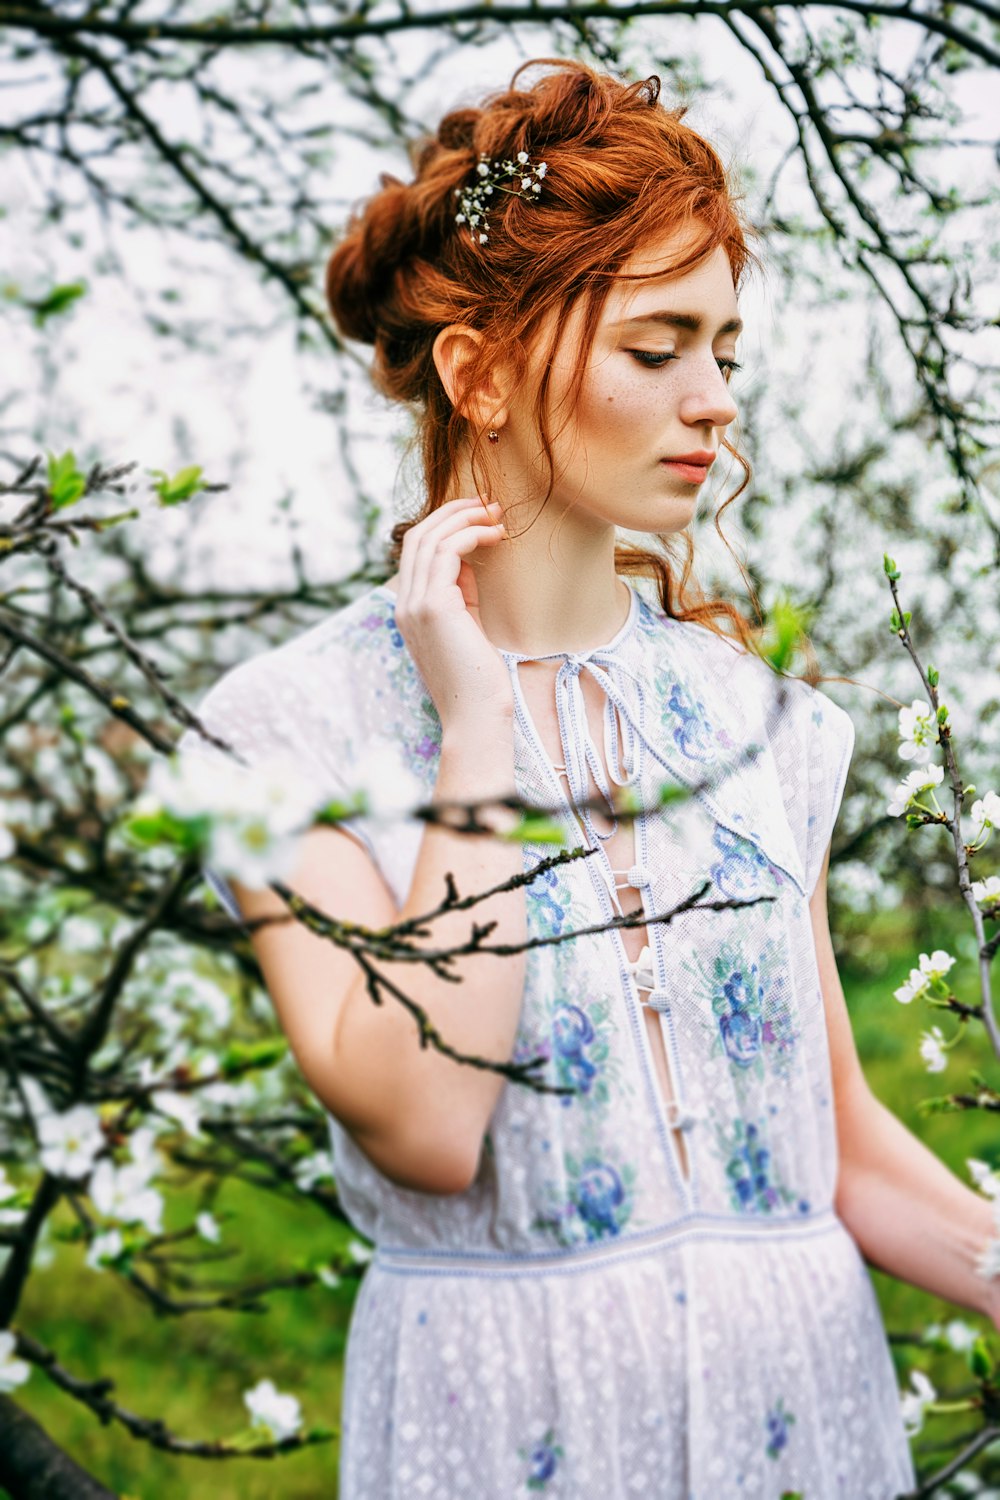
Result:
{"points": [[708, 401]]}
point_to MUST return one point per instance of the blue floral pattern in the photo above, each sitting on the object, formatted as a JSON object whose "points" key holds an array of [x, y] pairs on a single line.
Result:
{"points": [[748, 999], [753, 1184], [777, 1422], [598, 1202], [743, 870], [542, 1460]]}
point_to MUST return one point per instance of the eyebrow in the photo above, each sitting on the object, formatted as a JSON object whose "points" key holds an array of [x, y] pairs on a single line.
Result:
{"points": [[681, 320]]}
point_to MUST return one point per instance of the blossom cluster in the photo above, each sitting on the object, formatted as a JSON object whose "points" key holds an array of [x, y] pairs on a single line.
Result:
{"points": [[491, 177], [926, 979]]}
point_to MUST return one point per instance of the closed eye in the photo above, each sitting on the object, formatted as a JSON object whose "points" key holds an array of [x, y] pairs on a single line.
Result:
{"points": [[652, 361]]}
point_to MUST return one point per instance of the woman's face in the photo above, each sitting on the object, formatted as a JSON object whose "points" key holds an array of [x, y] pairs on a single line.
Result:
{"points": [[656, 389]]}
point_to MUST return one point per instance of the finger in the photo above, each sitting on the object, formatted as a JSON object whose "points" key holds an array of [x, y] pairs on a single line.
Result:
{"points": [[450, 527], [446, 565], [413, 540]]}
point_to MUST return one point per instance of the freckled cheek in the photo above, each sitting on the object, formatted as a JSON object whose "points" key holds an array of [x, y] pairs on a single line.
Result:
{"points": [[616, 415]]}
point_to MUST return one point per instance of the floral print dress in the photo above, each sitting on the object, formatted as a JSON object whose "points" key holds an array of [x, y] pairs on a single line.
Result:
{"points": [[598, 1317]]}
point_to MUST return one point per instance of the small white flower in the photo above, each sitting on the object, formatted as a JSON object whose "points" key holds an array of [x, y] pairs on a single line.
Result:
{"points": [[937, 965], [959, 1335], [522, 157], [984, 1177], [913, 1401], [541, 169], [124, 1193], [180, 1107], [359, 1253], [988, 1264], [918, 731], [7, 841], [986, 811], [312, 1169], [328, 1278], [525, 184], [104, 1248], [208, 1228], [280, 1414], [483, 169], [919, 780], [932, 1050], [70, 1141], [386, 786], [913, 988], [483, 238], [987, 892], [13, 1372]]}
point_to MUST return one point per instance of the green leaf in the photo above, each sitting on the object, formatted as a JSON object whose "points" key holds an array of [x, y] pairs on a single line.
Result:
{"points": [[981, 1361], [534, 829], [184, 484], [932, 676], [894, 621], [57, 301], [942, 713], [891, 571], [241, 1057], [787, 624], [66, 483]]}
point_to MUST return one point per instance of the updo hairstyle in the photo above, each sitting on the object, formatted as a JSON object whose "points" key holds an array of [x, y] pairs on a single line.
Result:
{"points": [[622, 171]]}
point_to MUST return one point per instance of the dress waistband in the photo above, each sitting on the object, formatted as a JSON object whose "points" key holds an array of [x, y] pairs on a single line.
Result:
{"points": [[490, 1263]]}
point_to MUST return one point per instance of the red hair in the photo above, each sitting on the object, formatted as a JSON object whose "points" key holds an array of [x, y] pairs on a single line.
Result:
{"points": [[623, 171]]}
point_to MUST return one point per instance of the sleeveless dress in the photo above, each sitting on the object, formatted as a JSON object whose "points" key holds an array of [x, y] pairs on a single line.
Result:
{"points": [[592, 1319]]}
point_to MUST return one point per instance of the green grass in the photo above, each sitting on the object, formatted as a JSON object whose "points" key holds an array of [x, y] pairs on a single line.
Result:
{"points": [[191, 1371]]}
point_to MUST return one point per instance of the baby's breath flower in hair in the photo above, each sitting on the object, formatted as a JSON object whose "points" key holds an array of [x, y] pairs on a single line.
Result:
{"points": [[496, 177]]}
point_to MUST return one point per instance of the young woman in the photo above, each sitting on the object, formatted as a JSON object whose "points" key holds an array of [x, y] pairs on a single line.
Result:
{"points": [[652, 1285]]}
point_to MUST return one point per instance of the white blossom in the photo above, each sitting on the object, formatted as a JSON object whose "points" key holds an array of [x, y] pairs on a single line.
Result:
{"points": [[313, 1169], [269, 1408], [7, 842], [180, 1107], [913, 1401], [328, 1278], [9, 1217], [208, 1228], [386, 786], [912, 988], [988, 1263], [124, 1193], [960, 1335], [918, 731], [986, 1180], [256, 813], [359, 1253], [932, 1050], [912, 785], [937, 965], [987, 892], [104, 1247], [13, 1372], [70, 1141]]}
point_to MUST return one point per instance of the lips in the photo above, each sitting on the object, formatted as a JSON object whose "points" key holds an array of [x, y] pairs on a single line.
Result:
{"points": [[692, 467], [703, 458]]}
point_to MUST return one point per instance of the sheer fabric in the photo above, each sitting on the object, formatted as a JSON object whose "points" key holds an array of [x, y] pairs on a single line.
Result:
{"points": [[590, 1320]]}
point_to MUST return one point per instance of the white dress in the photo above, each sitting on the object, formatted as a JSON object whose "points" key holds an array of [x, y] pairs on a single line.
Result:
{"points": [[595, 1319]]}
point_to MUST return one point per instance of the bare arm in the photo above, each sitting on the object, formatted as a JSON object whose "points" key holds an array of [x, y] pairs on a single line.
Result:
{"points": [[910, 1215], [417, 1114]]}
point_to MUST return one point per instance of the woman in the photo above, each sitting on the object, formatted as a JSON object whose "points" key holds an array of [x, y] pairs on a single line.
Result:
{"points": [[649, 1282]]}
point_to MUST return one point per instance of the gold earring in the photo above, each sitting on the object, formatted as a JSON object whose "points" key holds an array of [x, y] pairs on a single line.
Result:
{"points": [[493, 435]]}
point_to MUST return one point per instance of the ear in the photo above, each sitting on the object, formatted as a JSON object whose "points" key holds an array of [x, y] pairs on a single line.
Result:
{"points": [[456, 350]]}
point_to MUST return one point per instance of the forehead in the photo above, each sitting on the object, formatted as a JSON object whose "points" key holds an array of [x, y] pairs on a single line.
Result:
{"points": [[690, 298]]}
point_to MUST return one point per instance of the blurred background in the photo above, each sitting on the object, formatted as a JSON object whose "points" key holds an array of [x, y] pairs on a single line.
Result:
{"points": [[173, 179]]}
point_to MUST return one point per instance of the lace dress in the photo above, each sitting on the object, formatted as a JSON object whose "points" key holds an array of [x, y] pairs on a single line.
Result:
{"points": [[601, 1316]]}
